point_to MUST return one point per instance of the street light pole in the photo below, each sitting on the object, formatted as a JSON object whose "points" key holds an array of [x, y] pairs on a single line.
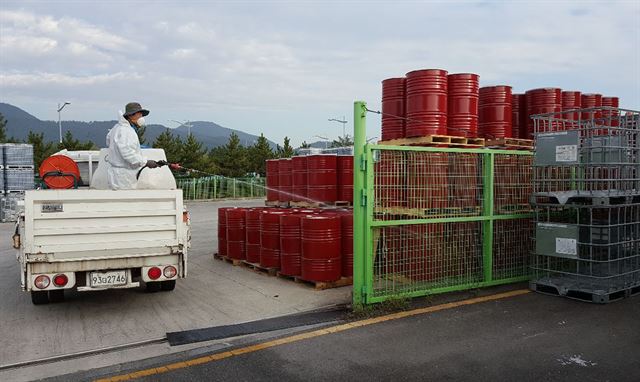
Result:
{"points": [[343, 121], [60, 120], [325, 139], [186, 123]]}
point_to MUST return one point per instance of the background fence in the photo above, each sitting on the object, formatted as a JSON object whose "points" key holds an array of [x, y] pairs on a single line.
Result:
{"points": [[219, 187], [431, 220]]}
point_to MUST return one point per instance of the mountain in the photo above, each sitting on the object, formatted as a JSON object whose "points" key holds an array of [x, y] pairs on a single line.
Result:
{"points": [[19, 123]]}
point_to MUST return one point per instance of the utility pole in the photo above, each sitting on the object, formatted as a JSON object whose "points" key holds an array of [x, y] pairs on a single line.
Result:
{"points": [[59, 119], [343, 121]]}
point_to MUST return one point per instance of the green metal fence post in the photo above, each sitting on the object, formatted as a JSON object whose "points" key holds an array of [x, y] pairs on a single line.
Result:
{"points": [[359, 203], [488, 171]]}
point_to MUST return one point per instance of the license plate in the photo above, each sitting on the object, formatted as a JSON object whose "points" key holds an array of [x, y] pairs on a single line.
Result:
{"points": [[108, 279]]}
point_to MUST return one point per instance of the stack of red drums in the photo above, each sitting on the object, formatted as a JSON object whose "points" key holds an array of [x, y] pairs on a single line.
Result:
{"points": [[345, 178], [592, 100], [272, 180], [393, 108], [571, 100], [611, 116], [519, 116], [426, 103], [285, 180], [462, 104], [312, 244], [322, 179], [299, 178], [542, 101], [495, 119]]}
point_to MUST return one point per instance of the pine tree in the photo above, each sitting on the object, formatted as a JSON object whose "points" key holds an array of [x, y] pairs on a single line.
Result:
{"points": [[72, 144], [172, 147], [305, 145], [258, 154], [140, 132], [192, 153], [286, 151], [41, 149], [345, 141], [233, 158]]}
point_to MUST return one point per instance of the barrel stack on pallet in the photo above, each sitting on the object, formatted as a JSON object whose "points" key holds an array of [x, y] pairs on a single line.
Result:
{"points": [[17, 176], [311, 181], [311, 246], [586, 197]]}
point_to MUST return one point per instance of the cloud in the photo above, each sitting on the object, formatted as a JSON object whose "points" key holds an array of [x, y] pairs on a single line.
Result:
{"points": [[265, 68]]}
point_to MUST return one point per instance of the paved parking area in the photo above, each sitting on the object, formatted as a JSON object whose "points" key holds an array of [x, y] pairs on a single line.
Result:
{"points": [[214, 293]]}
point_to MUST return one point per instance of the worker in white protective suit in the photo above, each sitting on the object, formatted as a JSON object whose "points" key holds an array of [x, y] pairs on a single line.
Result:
{"points": [[124, 158]]}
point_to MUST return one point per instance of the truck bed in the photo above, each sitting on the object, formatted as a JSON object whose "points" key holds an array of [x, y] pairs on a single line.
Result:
{"points": [[98, 225]]}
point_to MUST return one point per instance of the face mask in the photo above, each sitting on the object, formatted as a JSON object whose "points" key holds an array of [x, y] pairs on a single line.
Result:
{"points": [[141, 122]]}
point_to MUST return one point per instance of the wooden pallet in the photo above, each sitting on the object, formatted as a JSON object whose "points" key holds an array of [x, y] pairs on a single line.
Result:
{"points": [[258, 268], [229, 260], [275, 203], [510, 143], [309, 204], [319, 285], [436, 140]]}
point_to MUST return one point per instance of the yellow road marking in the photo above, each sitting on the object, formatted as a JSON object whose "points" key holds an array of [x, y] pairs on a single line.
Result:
{"points": [[308, 335]]}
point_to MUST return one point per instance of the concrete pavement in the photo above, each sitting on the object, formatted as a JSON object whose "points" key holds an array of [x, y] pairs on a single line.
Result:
{"points": [[214, 293], [530, 337]]}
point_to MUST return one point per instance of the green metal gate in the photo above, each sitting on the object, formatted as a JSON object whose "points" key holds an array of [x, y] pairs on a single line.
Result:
{"points": [[431, 220]]}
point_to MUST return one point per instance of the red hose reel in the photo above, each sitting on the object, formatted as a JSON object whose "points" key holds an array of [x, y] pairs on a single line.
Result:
{"points": [[60, 172]]}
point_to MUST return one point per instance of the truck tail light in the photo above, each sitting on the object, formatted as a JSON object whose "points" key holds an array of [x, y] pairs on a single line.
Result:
{"points": [[42, 282], [60, 280], [154, 273], [170, 272]]}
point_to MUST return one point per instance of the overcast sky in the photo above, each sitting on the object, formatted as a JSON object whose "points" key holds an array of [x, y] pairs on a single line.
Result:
{"points": [[284, 68]]}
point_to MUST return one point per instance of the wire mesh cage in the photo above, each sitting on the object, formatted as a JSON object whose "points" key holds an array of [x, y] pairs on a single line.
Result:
{"points": [[18, 179], [415, 257], [512, 184], [593, 152], [587, 249], [17, 154]]}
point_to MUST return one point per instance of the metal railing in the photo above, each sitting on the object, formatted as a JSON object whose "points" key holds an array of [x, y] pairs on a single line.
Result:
{"points": [[220, 187], [431, 220]]}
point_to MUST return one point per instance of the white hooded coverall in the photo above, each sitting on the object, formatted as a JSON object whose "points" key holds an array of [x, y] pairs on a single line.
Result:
{"points": [[124, 158]]}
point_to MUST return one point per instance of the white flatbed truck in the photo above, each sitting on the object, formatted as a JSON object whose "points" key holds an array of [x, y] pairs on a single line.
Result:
{"points": [[101, 239]]}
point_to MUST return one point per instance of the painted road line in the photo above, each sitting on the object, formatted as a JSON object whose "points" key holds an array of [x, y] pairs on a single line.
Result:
{"points": [[309, 335]]}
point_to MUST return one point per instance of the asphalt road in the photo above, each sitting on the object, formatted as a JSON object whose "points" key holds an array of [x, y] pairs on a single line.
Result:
{"points": [[214, 293], [531, 337]]}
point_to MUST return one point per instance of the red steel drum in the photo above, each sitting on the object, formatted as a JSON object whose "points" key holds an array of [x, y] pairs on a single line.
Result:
{"points": [[426, 103], [270, 237], [345, 178], [290, 244], [299, 178], [252, 224], [462, 107], [236, 233], [495, 118], [272, 180], [611, 116], [571, 100], [322, 178], [222, 230], [428, 183], [321, 247], [285, 177], [542, 101], [589, 101], [347, 244], [519, 116], [393, 108]]}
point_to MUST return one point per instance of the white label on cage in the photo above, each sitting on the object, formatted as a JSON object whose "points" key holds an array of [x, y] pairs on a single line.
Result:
{"points": [[566, 246], [566, 153]]}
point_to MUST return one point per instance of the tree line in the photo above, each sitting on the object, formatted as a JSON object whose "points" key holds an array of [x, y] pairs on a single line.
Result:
{"points": [[231, 160]]}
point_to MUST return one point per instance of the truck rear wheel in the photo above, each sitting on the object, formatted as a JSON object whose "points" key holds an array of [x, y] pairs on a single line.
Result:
{"points": [[56, 295], [153, 287], [39, 297], [168, 285]]}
